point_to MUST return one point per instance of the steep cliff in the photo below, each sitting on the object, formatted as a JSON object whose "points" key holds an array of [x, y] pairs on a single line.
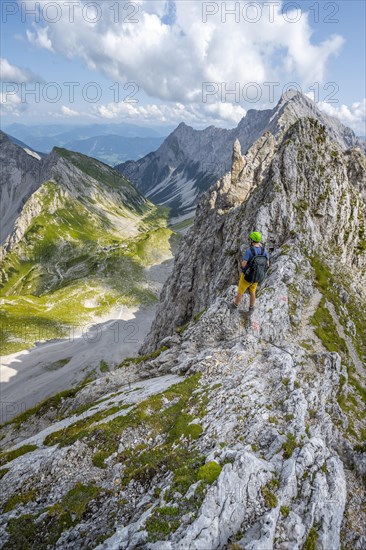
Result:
{"points": [[20, 177]]}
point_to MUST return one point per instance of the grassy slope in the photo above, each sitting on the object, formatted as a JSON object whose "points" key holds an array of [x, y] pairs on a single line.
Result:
{"points": [[352, 402], [166, 415], [74, 262]]}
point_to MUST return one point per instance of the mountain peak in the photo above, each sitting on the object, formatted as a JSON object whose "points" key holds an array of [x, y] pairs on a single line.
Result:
{"points": [[190, 160], [269, 410], [291, 94], [182, 127], [278, 174], [301, 102]]}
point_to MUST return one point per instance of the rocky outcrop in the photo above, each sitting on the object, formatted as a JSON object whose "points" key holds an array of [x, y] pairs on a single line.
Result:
{"points": [[309, 192], [237, 162], [32, 208], [190, 161], [275, 470]]}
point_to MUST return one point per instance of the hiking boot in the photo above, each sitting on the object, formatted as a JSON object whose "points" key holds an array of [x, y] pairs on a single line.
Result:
{"points": [[233, 305], [251, 308]]}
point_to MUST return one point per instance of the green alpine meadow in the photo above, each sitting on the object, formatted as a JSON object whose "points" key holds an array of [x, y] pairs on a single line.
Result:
{"points": [[86, 236]]}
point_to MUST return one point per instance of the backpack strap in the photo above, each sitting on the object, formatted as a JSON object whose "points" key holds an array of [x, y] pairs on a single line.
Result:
{"points": [[253, 253]]}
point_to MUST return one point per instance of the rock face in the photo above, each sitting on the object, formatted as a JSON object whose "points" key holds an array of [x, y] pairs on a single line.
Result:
{"points": [[189, 161], [252, 433], [306, 189], [63, 181], [20, 177], [24, 171]]}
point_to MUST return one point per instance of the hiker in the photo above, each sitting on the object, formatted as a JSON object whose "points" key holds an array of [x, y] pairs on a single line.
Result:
{"points": [[253, 270]]}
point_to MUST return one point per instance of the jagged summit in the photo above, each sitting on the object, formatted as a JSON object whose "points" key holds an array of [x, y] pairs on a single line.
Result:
{"points": [[294, 105], [189, 160], [294, 95], [183, 126]]}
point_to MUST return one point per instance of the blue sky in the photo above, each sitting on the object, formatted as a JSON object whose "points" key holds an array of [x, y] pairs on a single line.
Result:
{"points": [[177, 59]]}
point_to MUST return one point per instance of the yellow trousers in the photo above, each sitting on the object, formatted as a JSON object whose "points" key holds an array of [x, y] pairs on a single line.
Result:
{"points": [[244, 285]]}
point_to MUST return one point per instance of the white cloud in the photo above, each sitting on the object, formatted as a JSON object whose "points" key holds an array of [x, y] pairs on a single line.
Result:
{"points": [[66, 111], [217, 114], [14, 74], [225, 111], [170, 62], [170, 55], [11, 104], [40, 38], [353, 116]]}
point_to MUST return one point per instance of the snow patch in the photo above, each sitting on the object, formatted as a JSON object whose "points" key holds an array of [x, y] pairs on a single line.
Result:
{"points": [[32, 153]]}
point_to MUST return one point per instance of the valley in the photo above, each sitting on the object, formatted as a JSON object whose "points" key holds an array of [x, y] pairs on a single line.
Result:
{"points": [[82, 267], [183, 275], [53, 364]]}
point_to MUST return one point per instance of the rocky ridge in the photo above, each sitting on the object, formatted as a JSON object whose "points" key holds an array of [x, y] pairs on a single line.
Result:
{"points": [[73, 174], [306, 190], [189, 160], [95, 186], [261, 445]]}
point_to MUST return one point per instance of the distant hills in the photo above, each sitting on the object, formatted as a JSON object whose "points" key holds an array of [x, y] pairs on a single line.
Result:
{"points": [[113, 149], [109, 143]]}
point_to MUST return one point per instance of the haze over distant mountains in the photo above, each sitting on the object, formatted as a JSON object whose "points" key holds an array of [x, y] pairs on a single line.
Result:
{"points": [[232, 429], [110, 143], [190, 160]]}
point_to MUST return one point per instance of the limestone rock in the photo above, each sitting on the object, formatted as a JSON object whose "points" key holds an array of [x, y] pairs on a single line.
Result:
{"points": [[303, 187], [189, 161]]}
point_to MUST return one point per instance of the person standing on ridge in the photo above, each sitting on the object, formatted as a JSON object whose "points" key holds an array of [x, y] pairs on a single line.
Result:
{"points": [[254, 267]]}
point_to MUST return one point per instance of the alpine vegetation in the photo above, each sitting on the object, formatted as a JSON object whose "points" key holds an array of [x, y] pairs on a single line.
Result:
{"points": [[77, 239]]}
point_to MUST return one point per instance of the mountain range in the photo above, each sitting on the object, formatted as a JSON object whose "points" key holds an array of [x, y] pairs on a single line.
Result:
{"points": [[190, 160], [113, 149], [109, 143], [232, 429], [68, 132]]}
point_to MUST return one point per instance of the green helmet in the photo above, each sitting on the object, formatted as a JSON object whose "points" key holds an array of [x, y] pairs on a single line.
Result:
{"points": [[255, 236]]}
